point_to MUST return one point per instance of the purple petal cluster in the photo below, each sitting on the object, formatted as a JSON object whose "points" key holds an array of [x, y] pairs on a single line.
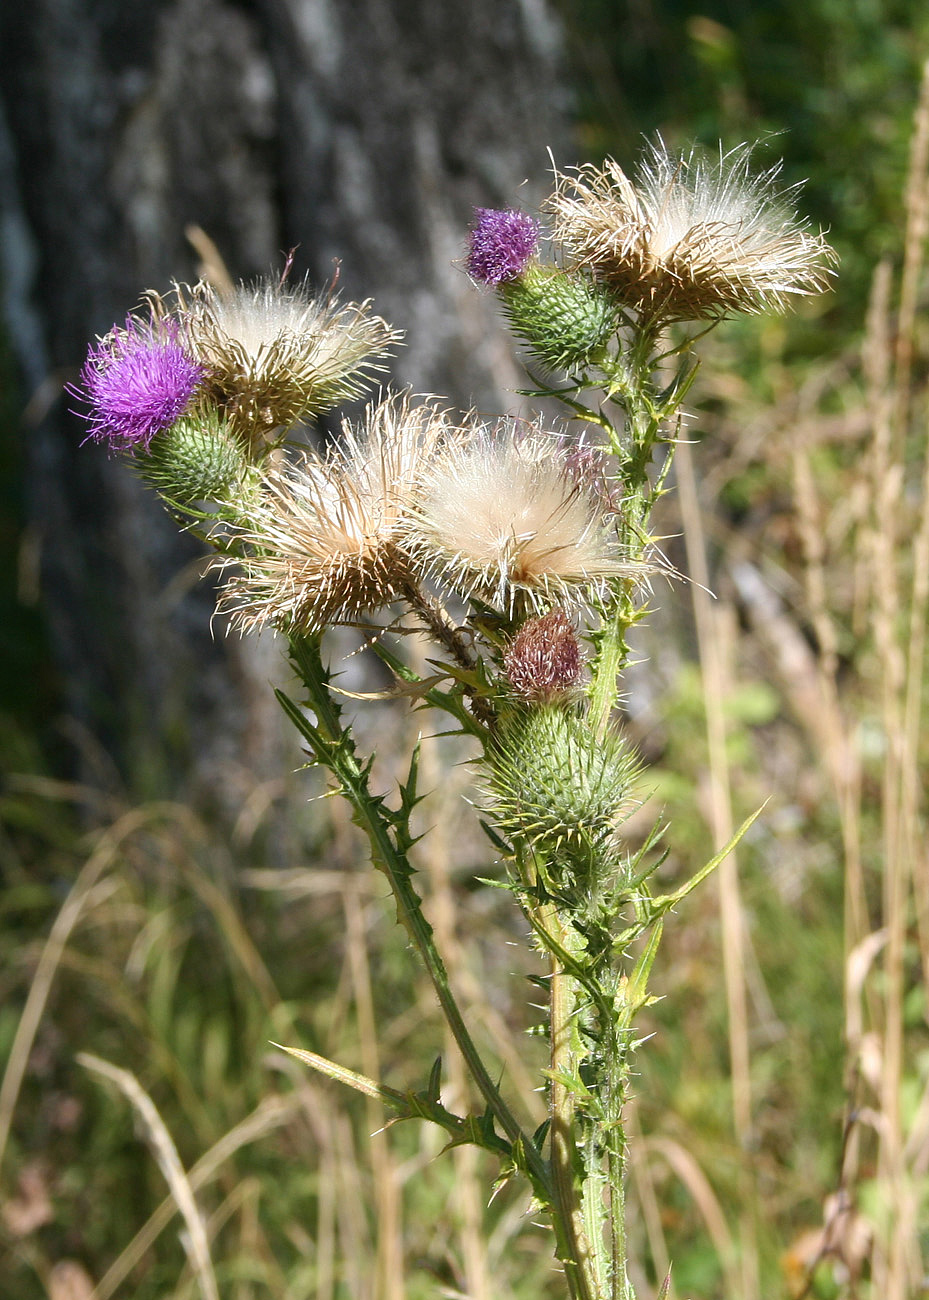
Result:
{"points": [[502, 244], [136, 383]]}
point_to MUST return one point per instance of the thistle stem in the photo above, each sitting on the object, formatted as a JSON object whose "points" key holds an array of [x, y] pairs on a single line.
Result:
{"points": [[562, 1128], [596, 1228], [611, 659], [436, 620], [615, 1089], [332, 746], [587, 1280]]}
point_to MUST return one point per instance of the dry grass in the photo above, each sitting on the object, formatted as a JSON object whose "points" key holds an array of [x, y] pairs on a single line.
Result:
{"points": [[166, 973], [830, 605], [174, 965]]}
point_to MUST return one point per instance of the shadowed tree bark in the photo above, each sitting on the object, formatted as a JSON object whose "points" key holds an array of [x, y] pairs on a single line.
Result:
{"points": [[358, 130]]}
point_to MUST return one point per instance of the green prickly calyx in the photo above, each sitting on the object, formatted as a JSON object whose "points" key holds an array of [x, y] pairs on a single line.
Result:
{"points": [[197, 459], [565, 318], [562, 791]]}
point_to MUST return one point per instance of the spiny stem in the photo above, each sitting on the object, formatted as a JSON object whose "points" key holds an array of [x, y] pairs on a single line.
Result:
{"points": [[601, 1257], [615, 1090], [434, 617], [585, 1279], [561, 1131], [333, 747], [611, 658]]}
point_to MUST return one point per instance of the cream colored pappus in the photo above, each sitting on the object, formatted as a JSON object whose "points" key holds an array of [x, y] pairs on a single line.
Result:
{"points": [[502, 514], [278, 355], [691, 237], [327, 541]]}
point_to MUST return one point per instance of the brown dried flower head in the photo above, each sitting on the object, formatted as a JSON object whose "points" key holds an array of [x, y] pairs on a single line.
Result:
{"points": [[326, 539], [502, 514], [691, 238], [544, 662], [277, 355]]}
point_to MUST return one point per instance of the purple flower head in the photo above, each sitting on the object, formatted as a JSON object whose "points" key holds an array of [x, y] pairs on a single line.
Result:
{"points": [[502, 244], [136, 383]]}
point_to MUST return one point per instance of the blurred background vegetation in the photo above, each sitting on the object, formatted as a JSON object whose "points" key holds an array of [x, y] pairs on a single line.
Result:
{"points": [[783, 1100]]}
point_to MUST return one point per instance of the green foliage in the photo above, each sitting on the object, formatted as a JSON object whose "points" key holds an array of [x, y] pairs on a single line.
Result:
{"points": [[833, 83], [179, 975]]}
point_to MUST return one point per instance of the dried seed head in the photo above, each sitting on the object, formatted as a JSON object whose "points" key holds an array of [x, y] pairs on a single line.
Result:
{"points": [[502, 514], [135, 383], [690, 238], [277, 355], [544, 664], [326, 539]]}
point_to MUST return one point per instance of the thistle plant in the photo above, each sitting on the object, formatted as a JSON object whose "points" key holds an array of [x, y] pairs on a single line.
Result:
{"points": [[520, 552]]}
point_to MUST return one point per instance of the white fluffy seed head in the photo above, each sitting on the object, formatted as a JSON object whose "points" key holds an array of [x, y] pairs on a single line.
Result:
{"points": [[502, 514], [327, 542], [692, 237], [278, 355]]}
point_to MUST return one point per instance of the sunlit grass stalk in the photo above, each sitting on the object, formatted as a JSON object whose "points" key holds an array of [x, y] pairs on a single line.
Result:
{"points": [[388, 1279], [901, 656], [196, 1240], [881, 811], [713, 671]]}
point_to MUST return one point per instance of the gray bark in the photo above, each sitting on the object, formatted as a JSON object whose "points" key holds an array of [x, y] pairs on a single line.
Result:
{"points": [[358, 130]]}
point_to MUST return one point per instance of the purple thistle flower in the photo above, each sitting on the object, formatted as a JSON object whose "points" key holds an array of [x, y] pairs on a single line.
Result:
{"points": [[502, 244], [136, 383]]}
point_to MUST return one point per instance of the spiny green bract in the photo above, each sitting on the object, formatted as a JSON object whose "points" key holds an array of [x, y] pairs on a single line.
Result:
{"points": [[564, 318], [197, 459], [563, 790]]}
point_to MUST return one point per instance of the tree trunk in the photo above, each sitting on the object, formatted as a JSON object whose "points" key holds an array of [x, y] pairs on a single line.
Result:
{"points": [[360, 131]]}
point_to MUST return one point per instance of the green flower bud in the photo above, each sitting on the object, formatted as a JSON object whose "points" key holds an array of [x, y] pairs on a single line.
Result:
{"points": [[197, 459], [565, 318], [556, 786]]}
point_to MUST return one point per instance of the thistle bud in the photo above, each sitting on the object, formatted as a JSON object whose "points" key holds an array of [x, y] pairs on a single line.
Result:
{"points": [[565, 318], [563, 790], [197, 459], [544, 663]]}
